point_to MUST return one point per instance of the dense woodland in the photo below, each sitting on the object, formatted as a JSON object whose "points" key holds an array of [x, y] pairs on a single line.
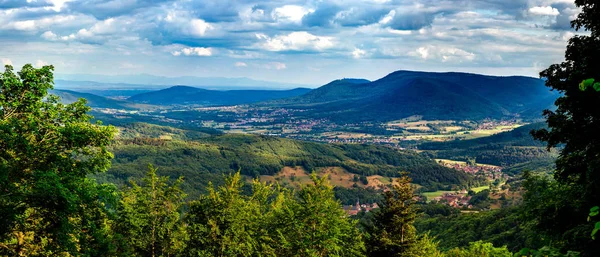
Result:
{"points": [[206, 158], [50, 204]]}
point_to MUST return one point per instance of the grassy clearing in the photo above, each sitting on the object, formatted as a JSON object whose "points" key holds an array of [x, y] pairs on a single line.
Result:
{"points": [[338, 177], [479, 189], [431, 195]]}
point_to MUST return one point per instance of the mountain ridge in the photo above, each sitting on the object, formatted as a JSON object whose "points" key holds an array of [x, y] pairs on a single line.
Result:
{"points": [[450, 95]]}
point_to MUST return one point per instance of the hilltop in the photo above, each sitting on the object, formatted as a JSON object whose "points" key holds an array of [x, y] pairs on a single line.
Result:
{"points": [[191, 95], [431, 95]]}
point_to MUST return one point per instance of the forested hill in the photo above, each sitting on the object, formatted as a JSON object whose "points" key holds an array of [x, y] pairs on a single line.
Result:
{"points": [[207, 158], [504, 149], [518, 137], [431, 95], [95, 101], [193, 95]]}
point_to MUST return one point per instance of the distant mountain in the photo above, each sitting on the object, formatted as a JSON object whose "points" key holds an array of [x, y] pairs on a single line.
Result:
{"points": [[432, 95], [95, 101], [193, 95], [205, 82]]}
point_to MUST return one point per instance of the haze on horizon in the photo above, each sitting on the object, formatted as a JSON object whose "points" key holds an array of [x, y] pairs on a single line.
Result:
{"points": [[304, 42]]}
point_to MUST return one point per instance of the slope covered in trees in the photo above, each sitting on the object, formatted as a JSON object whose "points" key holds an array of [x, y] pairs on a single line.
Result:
{"points": [[192, 95], [207, 158], [96, 101], [432, 95]]}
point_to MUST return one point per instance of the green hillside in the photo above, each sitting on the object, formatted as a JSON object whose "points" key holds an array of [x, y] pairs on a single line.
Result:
{"points": [[96, 101], [207, 158], [504, 149]]}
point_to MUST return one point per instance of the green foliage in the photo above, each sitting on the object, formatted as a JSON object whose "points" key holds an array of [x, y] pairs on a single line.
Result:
{"points": [[47, 205], [589, 83], [594, 211], [271, 222], [479, 249], [506, 226], [149, 217], [392, 232], [314, 224], [545, 252], [574, 128], [206, 159]]}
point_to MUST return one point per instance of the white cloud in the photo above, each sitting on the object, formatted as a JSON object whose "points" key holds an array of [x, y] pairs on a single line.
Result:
{"points": [[275, 66], [299, 40], [184, 22], [358, 53], [193, 51], [544, 10], [6, 61], [57, 4], [24, 25], [49, 35], [292, 13], [198, 27], [388, 17], [443, 53], [241, 64], [40, 63]]}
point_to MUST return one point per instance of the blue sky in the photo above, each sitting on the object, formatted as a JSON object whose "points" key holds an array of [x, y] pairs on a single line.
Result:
{"points": [[309, 42]]}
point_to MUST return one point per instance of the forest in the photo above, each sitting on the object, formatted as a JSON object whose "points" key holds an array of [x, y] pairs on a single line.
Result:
{"points": [[53, 202]]}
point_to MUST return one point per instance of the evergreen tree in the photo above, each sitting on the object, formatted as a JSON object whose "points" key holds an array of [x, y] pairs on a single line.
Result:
{"points": [[149, 217], [314, 224], [47, 205], [227, 223], [392, 232]]}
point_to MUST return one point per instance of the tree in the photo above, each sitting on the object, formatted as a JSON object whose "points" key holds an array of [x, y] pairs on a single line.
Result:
{"points": [[480, 249], [574, 127], [313, 224], [48, 149], [227, 223], [149, 217], [392, 232]]}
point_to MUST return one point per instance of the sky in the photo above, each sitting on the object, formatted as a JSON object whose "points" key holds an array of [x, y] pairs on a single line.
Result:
{"points": [[306, 42]]}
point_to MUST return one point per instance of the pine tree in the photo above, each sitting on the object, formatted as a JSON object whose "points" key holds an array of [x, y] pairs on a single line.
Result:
{"points": [[149, 219], [392, 232]]}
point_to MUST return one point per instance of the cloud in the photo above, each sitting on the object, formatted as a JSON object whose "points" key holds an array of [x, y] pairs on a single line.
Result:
{"points": [[544, 10], [358, 53], [40, 63], [193, 51], [6, 61], [290, 13], [295, 41], [443, 53], [275, 66], [269, 35]]}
